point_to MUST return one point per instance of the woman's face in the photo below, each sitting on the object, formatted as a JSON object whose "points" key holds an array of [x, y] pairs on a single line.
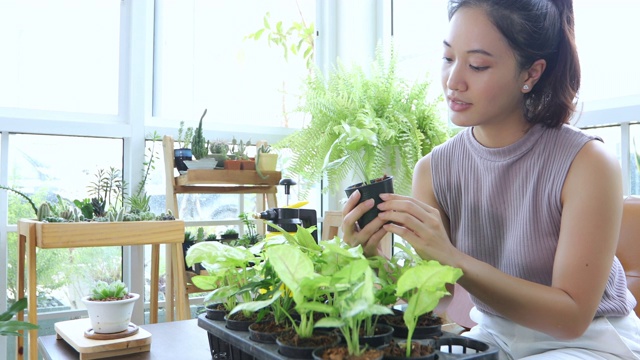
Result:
{"points": [[480, 76]]}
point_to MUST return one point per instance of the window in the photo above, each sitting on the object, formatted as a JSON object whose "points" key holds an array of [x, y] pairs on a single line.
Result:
{"points": [[60, 55], [204, 60], [41, 174]]}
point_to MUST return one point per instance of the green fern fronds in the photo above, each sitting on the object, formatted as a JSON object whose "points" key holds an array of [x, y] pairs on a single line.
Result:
{"points": [[346, 107]]}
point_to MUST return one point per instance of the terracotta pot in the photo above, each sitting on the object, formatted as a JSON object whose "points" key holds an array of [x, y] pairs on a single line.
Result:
{"points": [[248, 164], [232, 164]]}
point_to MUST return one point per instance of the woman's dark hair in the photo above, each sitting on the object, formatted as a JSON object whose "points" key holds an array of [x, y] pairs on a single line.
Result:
{"points": [[539, 29]]}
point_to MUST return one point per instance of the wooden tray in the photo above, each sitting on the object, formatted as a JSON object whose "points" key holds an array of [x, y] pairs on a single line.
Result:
{"points": [[72, 332]]}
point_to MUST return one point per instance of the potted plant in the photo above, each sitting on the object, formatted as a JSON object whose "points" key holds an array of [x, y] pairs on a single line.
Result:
{"points": [[229, 234], [265, 159], [232, 272], [233, 161], [219, 150], [240, 151], [110, 306], [309, 291], [392, 119], [183, 152], [423, 285]]}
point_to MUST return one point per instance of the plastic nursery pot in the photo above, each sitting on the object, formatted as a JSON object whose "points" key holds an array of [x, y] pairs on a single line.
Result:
{"points": [[266, 331], [429, 325], [179, 155], [305, 347], [420, 351], [238, 323], [382, 336], [216, 312], [383, 185]]}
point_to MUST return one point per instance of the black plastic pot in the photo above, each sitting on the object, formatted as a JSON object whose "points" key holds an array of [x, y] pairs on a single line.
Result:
{"points": [[373, 190], [304, 352], [215, 313], [179, 155], [431, 356], [238, 325], [262, 336], [382, 336]]}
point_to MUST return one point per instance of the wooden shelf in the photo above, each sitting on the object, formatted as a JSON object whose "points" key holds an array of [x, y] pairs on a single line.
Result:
{"points": [[91, 234], [36, 234], [228, 177], [213, 181]]}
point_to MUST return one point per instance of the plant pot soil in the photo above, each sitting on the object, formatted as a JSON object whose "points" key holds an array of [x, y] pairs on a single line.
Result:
{"points": [[397, 350], [429, 325], [341, 352], [239, 322], [267, 331], [291, 345], [382, 185]]}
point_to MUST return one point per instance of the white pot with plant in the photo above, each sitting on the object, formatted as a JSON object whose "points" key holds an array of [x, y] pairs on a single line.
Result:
{"points": [[110, 307]]}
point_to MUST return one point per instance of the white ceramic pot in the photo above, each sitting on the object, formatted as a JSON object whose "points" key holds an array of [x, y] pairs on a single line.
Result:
{"points": [[109, 317]]}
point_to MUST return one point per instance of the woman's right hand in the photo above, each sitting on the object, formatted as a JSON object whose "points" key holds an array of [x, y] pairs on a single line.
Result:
{"points": [[369, 237]]}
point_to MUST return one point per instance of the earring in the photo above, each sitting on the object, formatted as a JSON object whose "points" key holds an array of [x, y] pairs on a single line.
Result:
{"points": [[525, 87]]}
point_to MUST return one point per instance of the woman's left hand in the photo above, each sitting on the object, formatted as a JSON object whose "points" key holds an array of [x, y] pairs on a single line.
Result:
{"points": [[419, 224]]}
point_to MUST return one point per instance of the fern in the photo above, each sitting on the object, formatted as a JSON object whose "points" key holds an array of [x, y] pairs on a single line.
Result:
{"points": [[347, 107]]}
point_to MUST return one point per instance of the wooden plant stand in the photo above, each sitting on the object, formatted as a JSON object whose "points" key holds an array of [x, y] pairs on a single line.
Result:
{"points": [[35, 234]]}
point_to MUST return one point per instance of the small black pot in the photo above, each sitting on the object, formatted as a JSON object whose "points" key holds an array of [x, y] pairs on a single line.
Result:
{"points": [[229, 236], [383, 336], [373, 190], [304, 352], [431, 356], [238, 325], [214, 313], [264, 337], [179, 155]]}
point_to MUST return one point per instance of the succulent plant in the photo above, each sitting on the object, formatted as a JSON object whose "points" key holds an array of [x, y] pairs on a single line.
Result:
{"points": [[114, 290]]}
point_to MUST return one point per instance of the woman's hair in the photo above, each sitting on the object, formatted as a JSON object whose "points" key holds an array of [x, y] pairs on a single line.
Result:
{"points": [[539, 29]]}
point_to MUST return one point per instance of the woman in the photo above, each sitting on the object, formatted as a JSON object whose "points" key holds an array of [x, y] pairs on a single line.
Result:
{"points": [[526, 205]]}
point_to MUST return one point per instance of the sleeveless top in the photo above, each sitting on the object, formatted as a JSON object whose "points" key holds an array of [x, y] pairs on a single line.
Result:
{"points": [[504, 205]]}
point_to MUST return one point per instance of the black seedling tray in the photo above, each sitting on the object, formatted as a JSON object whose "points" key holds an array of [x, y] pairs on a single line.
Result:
{"points": [[236, 345]]}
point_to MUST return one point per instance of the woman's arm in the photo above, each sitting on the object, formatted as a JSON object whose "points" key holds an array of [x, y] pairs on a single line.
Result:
{"points": [[591, 215]]}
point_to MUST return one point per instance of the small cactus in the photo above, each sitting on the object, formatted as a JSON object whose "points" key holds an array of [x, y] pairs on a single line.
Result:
{"points": [[44, 211]]}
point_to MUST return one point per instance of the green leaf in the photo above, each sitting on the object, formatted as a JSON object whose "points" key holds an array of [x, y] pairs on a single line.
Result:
{"points": [[18, 306]]}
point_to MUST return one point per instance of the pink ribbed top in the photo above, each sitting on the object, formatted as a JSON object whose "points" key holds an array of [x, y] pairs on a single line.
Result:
{"points": [[504, 205]]}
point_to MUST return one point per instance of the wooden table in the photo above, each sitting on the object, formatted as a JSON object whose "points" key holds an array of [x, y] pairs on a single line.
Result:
{"points": [[171, 340], [35, 234]]}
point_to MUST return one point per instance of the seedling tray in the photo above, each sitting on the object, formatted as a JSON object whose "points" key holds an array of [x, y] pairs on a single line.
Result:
{"points": [[237, 345]]}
